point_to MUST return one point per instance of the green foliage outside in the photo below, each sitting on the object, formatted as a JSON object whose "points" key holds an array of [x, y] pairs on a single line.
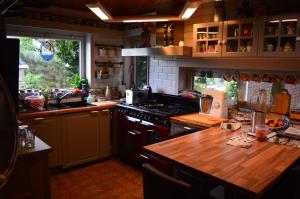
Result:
{"points": [[217, 83], [141, 71], [56, 73]]}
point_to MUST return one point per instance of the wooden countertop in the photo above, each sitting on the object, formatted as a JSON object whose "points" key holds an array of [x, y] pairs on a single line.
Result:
{"points": [[39, 147], [98, 105], [197, 120], [253, 170]]}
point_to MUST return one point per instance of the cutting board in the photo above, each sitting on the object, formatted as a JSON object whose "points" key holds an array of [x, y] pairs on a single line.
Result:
{"points": [[197, 120]]}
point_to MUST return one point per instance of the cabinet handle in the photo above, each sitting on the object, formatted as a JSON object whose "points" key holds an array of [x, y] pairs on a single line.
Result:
{"points": [[38, 119], [105, 111], [94, 113]]}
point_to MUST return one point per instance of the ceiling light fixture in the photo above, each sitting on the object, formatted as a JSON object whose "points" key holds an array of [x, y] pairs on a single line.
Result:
{"points": [[189, 8], [188, 13], [100, 11], [144, 20]]}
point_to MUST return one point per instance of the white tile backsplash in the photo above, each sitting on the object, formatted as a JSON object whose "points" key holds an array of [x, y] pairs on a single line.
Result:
{"points": [[163, 75]]}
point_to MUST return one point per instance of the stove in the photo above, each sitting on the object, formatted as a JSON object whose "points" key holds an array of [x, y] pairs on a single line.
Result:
{"points": [[159, 108], [149, 122]]}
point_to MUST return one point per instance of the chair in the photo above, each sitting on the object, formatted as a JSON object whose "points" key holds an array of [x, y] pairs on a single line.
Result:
{"points": [[158, 185]]}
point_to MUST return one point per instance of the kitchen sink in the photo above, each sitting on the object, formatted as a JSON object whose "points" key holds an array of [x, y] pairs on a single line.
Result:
{"points": [[69, 105]]}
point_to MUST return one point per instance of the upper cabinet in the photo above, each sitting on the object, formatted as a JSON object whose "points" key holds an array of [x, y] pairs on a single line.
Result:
{"points": [[266, 37], [207, 39], [279, 36], [240, 38]]}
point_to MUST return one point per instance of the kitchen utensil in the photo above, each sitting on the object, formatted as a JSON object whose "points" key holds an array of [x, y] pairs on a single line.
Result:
{"points": [[282, 104], [108, 93], [205, 103]]}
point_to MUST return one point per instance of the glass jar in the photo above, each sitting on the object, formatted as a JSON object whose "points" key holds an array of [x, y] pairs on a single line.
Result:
{"points": [[261, 132]]}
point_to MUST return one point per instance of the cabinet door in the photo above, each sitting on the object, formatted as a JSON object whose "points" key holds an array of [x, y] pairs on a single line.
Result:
{"points": [[104, 133], [240, 38], [207, 39], [80, 133], [280, 36], [49, 130]]}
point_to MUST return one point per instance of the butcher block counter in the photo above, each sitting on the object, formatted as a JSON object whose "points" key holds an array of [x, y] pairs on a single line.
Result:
{"points": [[197, 120], [58, 111], [251, 170]]}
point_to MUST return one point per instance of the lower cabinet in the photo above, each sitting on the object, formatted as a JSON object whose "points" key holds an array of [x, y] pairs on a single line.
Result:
{"points": [[80, 137], [75, 138], [48, 129], [105, 146]]}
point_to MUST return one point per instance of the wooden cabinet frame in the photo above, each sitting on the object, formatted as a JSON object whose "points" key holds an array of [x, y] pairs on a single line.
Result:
{"points": [[207, 40], [261, 48]]}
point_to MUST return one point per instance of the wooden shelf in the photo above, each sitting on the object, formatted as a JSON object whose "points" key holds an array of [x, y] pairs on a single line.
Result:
{"points": [[107, 46], [97, 63]]}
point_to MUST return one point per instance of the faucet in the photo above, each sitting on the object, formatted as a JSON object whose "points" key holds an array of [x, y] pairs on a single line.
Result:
{"points": [[60, 97]]}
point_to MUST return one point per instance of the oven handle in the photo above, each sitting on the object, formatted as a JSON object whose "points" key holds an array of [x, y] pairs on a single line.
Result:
{"points": [[134, 132], [145, 157]]}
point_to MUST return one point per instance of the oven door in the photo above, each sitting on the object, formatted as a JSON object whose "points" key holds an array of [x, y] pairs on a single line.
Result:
{"points": [[132, 139]]}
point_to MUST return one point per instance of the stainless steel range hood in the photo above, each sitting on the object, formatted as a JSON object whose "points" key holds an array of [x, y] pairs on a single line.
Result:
{"points": [[158, 51]]}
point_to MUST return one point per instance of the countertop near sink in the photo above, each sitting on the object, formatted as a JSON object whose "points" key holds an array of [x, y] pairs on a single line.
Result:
{"points": [[97, 105], [197, 120]]}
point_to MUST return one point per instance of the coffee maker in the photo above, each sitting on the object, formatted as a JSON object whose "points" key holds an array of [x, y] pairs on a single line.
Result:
{"points": [[219, 103]]}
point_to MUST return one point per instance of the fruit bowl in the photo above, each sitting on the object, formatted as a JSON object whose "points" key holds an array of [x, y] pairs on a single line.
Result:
{"points": [[278, 123]]}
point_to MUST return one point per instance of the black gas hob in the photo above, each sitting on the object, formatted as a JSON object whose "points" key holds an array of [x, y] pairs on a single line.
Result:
{"points": [[159, 108]]}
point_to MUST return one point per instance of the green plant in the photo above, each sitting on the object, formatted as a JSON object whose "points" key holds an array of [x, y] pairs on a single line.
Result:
{"points": [[46, 93], [77, 82]]}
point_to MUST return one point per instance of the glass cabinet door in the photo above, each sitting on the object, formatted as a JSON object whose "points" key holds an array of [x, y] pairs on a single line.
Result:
{"points": [[240, 38], [280, 36], [207, 38]]}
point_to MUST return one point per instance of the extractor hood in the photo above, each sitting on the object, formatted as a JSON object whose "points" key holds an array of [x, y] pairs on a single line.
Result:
{"points": [[158, 51]]}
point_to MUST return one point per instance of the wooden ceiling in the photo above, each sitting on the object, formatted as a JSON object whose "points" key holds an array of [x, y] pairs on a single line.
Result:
{"points": [[115, 7]]}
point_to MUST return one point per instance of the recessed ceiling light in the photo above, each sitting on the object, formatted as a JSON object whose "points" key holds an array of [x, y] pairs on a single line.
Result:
{"points": [[100, 11], [188, 13]]}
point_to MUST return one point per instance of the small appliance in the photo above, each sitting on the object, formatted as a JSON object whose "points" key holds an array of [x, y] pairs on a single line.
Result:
{"points": [[219, 106], [136, 96]]}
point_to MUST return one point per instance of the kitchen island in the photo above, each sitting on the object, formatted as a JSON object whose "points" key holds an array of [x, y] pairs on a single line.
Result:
{"points": [[251, 171]]}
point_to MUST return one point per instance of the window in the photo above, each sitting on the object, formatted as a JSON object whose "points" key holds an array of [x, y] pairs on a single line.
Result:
{"points": [[220, 84], [48, 63], [141, 71]]}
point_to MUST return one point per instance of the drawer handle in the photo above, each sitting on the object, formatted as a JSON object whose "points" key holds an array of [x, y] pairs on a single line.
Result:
{"points": [[94, 113], [39, 119], [105, 111]]}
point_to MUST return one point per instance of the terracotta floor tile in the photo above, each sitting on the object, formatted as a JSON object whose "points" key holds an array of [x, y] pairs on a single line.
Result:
{"points": [[110, 179]]}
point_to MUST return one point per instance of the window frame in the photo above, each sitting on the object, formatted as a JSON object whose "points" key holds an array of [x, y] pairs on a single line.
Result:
{"points": [[135, 66], [24, 31]]}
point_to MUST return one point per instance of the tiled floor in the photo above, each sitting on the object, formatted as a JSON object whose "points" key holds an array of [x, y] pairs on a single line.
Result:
{"points": [[109, 179]]}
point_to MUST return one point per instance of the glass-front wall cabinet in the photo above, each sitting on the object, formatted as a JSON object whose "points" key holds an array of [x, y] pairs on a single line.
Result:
{"points": [[207, 39], [280, 36], [240, 38]]}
